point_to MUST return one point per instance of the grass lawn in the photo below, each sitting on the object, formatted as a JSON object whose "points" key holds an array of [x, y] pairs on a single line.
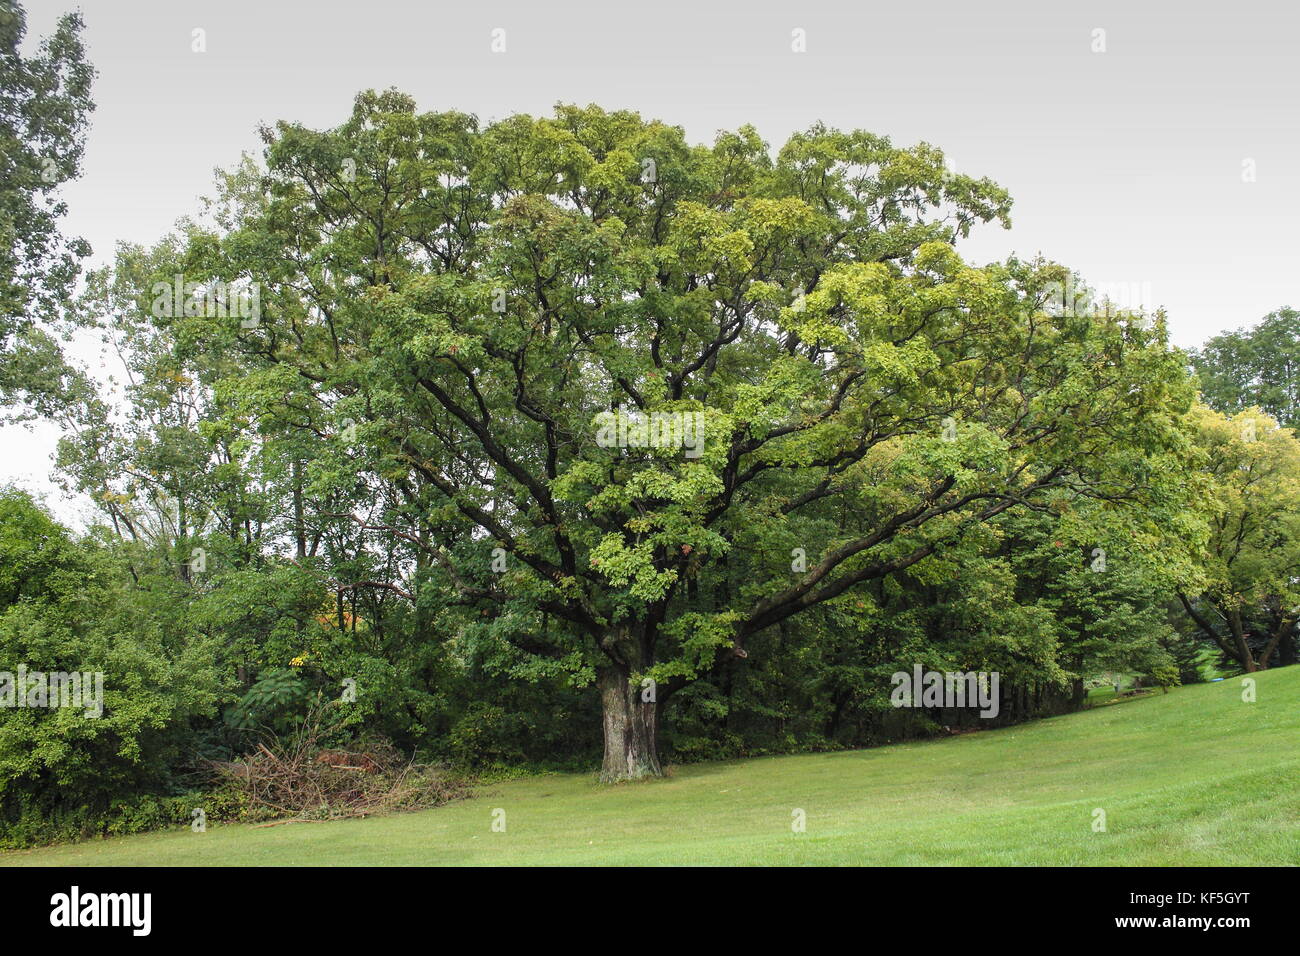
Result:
{"points": [[1194, 777]]}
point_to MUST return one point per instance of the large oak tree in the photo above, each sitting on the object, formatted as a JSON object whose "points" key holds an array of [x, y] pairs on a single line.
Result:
{"points": [[453, 310]]}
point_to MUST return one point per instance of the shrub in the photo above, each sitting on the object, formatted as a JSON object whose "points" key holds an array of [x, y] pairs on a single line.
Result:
{"points": [[67, 771]]}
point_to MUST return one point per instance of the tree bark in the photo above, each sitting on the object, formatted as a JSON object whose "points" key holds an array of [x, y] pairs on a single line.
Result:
{"points": [[1285, 626], [299, 515], [1244, 656], [1234, 649], [631, 727]]}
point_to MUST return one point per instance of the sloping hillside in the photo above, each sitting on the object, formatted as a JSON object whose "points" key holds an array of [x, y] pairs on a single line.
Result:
{"points": [[1194, 777]]}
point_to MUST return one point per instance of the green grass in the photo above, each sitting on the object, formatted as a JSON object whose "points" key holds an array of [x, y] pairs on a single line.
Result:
{"points": [[1194, 777]]}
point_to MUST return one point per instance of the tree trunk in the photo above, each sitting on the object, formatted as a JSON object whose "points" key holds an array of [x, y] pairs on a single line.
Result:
{"points": [[1244, 657], [631, 727], [299, 512], [1285, 626], [1288, 652], [1078, 693]]}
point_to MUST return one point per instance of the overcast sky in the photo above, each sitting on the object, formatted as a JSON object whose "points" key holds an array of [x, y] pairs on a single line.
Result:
{"points": [[1133, 165]]}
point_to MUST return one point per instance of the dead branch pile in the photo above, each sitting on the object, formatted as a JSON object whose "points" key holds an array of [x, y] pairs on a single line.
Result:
{"points": [[296, 777]]}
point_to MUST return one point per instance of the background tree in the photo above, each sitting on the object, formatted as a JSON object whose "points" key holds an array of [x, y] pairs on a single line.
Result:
{"points": [[68, 606], [1106, 582], [1257, 367], [44, 108], [1249, 607]]}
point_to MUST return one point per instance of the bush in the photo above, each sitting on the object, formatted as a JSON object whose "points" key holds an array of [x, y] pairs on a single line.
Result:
{"points": [[68, 771], [1166, 676], [30, 823], [278, 700]]}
